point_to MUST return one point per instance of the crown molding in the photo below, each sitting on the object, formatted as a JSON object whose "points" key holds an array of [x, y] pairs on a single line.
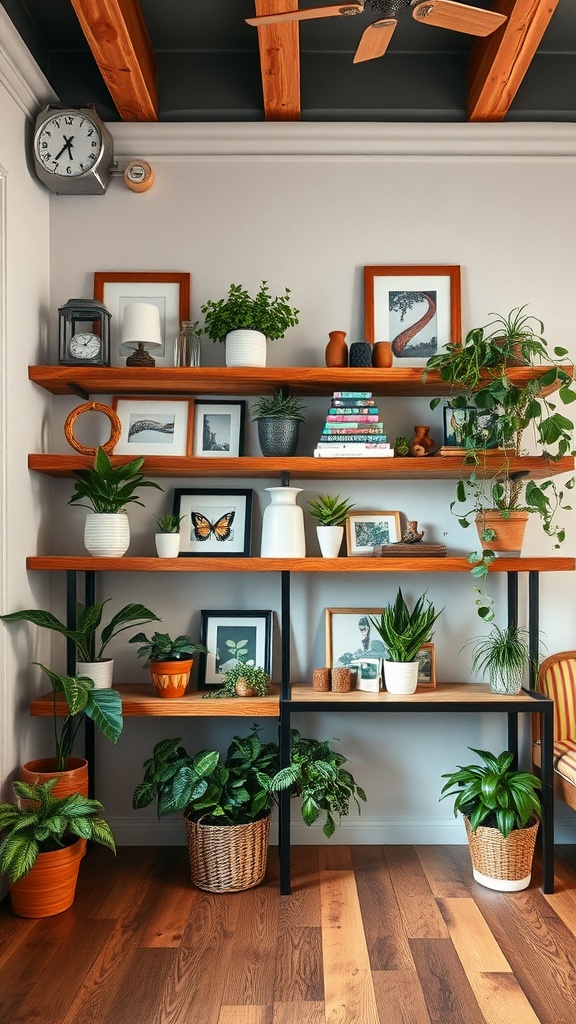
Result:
{"points": [[19, 72]]}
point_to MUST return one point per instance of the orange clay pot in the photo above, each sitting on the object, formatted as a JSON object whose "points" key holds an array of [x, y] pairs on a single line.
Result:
{"points": [[337, 349], [50, 886], [509, 531], [170, 678], [74, 779]]}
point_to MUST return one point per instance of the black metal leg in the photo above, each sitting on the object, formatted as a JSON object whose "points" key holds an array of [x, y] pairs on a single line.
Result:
{"points": [[512, 599], [533, 625], [513, 735], [547, 776], [284, 805]]}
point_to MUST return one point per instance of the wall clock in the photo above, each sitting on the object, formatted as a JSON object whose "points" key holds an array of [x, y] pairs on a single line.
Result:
{"points": [[73, 151]]}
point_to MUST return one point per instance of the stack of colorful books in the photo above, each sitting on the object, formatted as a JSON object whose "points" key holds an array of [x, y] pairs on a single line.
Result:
{"points": [[353, 428]]}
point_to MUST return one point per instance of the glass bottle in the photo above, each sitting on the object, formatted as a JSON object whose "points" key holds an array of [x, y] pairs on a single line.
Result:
{"points": [[187, 345]]}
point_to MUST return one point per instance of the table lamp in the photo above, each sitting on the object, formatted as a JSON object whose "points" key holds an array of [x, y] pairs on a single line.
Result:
{"points": [[140, 331]]}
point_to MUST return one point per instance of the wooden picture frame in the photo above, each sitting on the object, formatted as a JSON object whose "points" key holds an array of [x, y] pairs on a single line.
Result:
{"points": [[426, 667], [169, 291], [367, 530], [350, 635], [154, 426], [216, 522], [233, 636], [401, 299], [219, 428]]}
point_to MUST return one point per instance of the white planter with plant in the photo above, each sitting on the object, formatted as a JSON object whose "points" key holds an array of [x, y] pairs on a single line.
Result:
{"points": [[278, 418], [167, 540], [237, 318], [504, 656], [331, 514], [403, 633]]}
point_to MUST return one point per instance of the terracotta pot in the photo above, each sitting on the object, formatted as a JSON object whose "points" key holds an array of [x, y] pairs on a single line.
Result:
{"points": [[243, 688], [170, 678], [337, 349], [422, 443], [509, 531], [74, 779], [382, 355], [50, 886]]}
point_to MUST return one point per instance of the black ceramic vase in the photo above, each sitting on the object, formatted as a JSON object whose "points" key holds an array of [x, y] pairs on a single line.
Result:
{"points": [[360, 354]]}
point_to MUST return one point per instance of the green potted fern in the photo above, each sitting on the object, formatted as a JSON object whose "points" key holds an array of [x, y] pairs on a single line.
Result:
{"points": [[278, 418], [330, 513], [504, 656], [169, 659], [403, 632], [245, 321]]}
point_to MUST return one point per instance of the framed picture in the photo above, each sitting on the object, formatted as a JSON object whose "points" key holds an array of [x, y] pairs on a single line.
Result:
{"points": [[230, 637], [215, 521], [219, 428], [368, 674], [468, 422], [154, 426], [417, 309], [427, 667], [367, 530], [350, 636], [170, 292]]}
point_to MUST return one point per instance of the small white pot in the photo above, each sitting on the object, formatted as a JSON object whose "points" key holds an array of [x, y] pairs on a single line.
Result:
{"points": [[330, 540], [401, 676], [100, 671], [245, 348], [107, 534], [167, 545]]}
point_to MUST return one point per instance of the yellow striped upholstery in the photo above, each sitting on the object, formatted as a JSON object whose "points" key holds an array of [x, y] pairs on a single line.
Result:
{"points": [[557, 679]]}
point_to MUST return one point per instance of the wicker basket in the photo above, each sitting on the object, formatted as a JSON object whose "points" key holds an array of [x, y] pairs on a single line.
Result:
{"points": [[227, 858], [499, 863]]}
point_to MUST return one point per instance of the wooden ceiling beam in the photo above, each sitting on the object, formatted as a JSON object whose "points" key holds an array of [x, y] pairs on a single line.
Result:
{"points": [[279, 47], [498, 62], [117, 35]]}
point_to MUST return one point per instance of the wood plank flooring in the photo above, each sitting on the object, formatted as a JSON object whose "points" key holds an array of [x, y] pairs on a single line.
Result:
{"points": [[369, 935]]}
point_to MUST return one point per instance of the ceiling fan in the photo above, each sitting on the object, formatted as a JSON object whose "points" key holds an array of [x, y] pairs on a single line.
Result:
{"points": [[375, 39]]}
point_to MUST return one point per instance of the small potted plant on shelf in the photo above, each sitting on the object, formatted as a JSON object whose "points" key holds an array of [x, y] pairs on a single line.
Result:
{"points": [[278, 418], [243, 680], [403, 633], [167, 539], [106, 490], [245, 322], [169, 659], [504, 656], [330, 513], [44, 838], [501, 810]]}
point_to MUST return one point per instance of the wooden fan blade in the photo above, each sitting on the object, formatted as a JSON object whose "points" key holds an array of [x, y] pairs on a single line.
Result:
{"points": [[331, 11], [375, 40], [459, 17]]}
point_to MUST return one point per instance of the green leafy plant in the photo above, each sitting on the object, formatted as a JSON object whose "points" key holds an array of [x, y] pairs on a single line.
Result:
{"points": [[107, 488], [402, 446], [41, 823], [163, 647], [503, 655], [329, 510], [242, 677], [279, 406], [169, 523], [403, 631], [88, 620], [239, 310], [493, 794]]}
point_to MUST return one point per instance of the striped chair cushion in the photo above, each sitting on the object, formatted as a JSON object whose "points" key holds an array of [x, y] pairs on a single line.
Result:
{"points": [[557, 679], [564, 759]]}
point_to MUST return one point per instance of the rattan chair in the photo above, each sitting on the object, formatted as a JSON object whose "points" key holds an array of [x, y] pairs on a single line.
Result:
{"points": [[557, 679]]}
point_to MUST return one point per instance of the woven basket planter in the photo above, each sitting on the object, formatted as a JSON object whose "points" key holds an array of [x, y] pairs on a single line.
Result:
{"points": [[499, 863], [227, 858]]}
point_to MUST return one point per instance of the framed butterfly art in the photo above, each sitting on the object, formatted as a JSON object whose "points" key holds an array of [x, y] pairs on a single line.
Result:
{"points": [[215, 522]]}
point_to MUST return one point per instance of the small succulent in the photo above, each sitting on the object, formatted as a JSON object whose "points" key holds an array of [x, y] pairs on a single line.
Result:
{"points": [[243, 681], [279, 406], [329, 510], [170, 523], [402, 446], [161, 647]]}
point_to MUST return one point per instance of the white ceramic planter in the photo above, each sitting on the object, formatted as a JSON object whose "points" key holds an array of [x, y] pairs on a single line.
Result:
{"points": [[245, 348], [401, 676], [100, 671], [330, 540], [167, 545], [107, 534]]}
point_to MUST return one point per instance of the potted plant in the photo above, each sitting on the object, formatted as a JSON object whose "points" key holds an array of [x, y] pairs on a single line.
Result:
{"points": [[90, 650], [106, 490], [227, 801], [262, 315], [501, 809], [167, 539], [43, 841], [243, 680], [503, 655], [170, 660], [278, 418], [330, 514], [403, 633]]}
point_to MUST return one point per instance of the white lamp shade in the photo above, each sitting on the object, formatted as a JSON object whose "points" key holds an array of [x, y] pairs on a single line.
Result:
{"points": [[141, 325]]}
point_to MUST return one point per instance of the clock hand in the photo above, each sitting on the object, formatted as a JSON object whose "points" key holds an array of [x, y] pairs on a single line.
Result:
{"points": [[67, 145]]}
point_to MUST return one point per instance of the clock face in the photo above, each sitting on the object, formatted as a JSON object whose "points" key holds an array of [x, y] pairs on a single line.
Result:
{"points": [[85, 346], [68, 144]]}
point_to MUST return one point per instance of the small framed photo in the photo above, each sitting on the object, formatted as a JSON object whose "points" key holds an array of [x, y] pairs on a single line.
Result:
{"points": [[154, 426], [170, 292], [456, 421], [214, 521], [367, 530], [368, 674], [219, 428], [467, 423], [427, 667], [230, 637], [350, 636], [417, 309]]}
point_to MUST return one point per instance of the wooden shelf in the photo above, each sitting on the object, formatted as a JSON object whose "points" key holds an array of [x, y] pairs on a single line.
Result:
{"points": [[300, 380], [445, 693], [140, 699]]}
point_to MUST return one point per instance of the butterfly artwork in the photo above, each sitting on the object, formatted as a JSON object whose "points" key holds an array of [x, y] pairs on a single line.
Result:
{"points": [[215, 523], [221, 529]]}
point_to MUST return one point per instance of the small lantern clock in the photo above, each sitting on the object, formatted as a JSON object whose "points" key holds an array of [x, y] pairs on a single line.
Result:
{"points": [[84, 333]]}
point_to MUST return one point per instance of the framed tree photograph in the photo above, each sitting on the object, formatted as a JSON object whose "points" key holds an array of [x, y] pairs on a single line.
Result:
{"points": [[368, 530], [170, 292], [154, 426], [417, 309], [232, 637], [215, 521], [219, 428], [350, 636]]}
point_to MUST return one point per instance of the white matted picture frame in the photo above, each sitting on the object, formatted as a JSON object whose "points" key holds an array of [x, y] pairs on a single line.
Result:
{"points": [[351, 636], [214, 521], [169, 291], [367, 530], [154, 426], [426, 658], [219, 428], [368, 674], [416, 308], [232, 637]]}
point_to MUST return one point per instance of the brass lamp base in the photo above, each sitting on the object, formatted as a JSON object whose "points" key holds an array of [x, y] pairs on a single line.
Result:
{"points": [[141, 357]]}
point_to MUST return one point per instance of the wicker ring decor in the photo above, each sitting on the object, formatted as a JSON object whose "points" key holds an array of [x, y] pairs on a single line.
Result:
{"points": [[115, 428]]}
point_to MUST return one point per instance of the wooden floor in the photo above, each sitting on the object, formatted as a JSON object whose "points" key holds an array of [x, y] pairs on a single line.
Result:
{"points": [[370, 935]]}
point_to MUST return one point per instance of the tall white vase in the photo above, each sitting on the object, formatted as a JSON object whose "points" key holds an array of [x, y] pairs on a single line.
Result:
{"points": [[283, 525]]}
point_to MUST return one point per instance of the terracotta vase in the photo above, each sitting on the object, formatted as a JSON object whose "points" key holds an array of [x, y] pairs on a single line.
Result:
{"points": [[50, 886], [422, 443], [382, 355], [171, 678], [509, 531], [337, 349], [74, 779]]}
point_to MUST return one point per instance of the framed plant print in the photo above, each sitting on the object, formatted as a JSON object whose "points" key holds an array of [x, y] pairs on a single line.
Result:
{"points": [[417, 309], [154, 426], [350, 636], [215, 522], [170, 292], [233, 637], [467, 423], [367, 530], [426, 667], [219, 428]]}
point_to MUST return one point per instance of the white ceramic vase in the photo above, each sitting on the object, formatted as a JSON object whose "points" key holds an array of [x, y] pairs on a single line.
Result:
{"points": [[245, 348], [167, 545], [330, 540], [100, 671], [107, 534], [283, 525], [401, 676]]}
